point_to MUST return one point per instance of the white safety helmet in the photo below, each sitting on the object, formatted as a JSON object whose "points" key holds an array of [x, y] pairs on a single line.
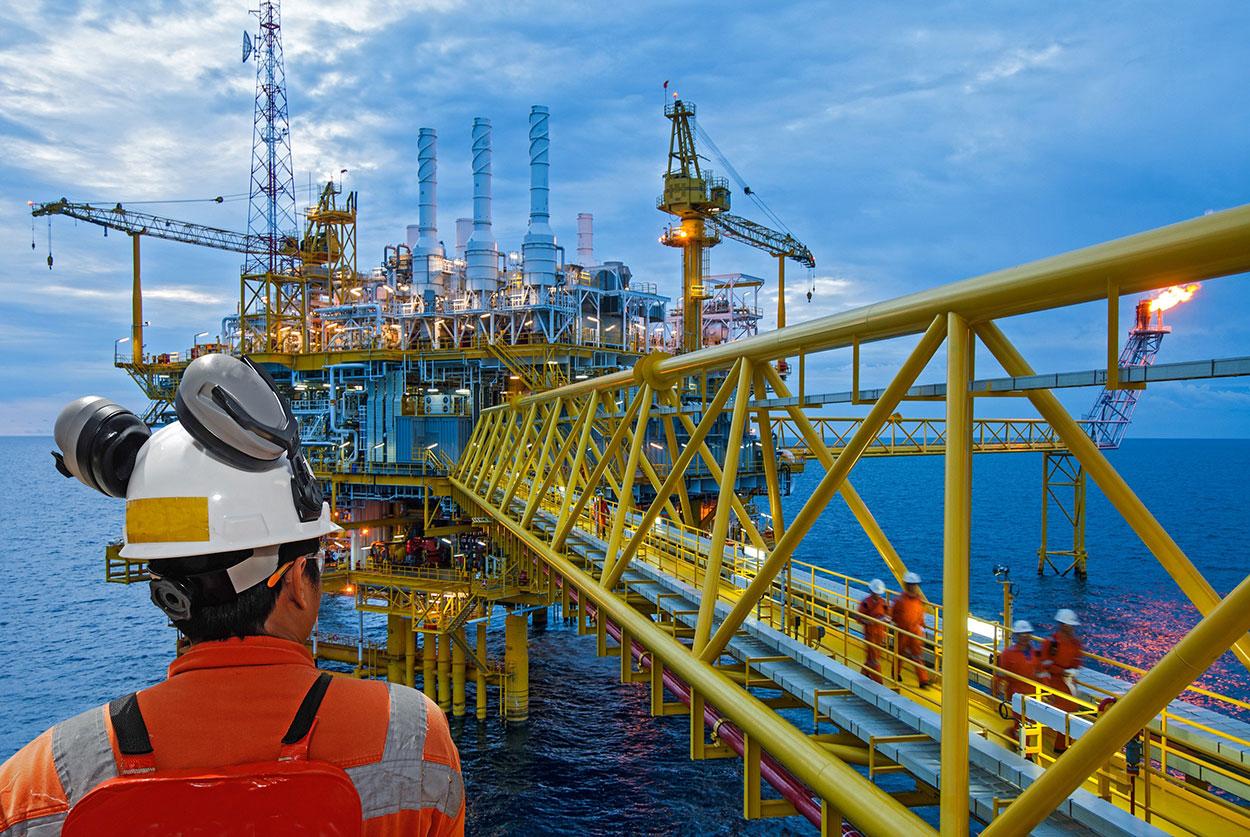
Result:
{"points": [[911, 578], [183, 502], [877, 586], [1067, 616], [1022, 626], [225, 487]]}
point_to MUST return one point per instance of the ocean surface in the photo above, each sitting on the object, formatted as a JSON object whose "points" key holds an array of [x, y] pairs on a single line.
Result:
{"points": [[592, 760]]}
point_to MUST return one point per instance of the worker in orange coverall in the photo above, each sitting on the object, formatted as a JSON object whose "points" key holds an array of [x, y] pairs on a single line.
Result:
{"points": [[1020, 663], [245, 735], [873, 607], [908, 615], [1060, 657]]}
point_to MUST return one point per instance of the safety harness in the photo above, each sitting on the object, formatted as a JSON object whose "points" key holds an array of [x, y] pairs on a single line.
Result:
{"points": [[292, 795]]}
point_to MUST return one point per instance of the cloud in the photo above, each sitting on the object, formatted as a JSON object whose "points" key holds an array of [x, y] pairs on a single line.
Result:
{"points": [[185, 295]]}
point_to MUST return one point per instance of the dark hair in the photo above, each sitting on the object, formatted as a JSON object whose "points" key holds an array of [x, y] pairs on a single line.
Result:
{"points": [[244, 614]]}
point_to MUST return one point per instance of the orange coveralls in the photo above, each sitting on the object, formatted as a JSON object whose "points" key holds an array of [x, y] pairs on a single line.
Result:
{"points": [[230, 702], [1021, 662], [874, 634], [908, 615], [1062, 651]]}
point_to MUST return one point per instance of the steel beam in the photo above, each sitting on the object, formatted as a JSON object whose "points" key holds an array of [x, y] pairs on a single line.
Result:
{"points": [[956, 538], [720, 525]]}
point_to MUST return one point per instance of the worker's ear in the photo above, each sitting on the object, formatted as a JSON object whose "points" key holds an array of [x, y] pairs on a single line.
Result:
{"points": [[298, 585]]}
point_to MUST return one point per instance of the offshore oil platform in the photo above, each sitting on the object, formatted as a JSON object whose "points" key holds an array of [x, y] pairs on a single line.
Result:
{"points": [[506, 434]]}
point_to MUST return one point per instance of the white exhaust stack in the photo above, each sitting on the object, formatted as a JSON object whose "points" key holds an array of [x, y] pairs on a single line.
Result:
{"points": [[585, 239], [539, 247], [427, 248], [481, 252]]}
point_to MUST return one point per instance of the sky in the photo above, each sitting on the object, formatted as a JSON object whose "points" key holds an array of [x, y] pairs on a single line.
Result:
{"points": [[908, 144]]}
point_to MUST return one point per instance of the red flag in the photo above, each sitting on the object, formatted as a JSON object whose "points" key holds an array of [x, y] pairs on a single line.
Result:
{"points": [[665, 84]]}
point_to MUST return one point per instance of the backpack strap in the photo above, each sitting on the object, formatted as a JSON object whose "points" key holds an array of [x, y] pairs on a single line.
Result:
{"points": [[132, 736], [299, 735]]}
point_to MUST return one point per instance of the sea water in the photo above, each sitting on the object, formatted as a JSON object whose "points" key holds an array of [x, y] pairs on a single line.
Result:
{"points": [[592, 760]]}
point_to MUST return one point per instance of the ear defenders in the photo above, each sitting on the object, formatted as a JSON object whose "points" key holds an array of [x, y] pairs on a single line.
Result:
{"points": [[98, 443]]}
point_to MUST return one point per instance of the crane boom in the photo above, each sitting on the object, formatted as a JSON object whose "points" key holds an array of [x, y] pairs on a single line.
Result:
{"points": [[756, 235], [154, 226]]}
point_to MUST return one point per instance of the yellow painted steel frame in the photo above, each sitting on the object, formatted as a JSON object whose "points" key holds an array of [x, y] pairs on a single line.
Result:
{"points": [[1196, 250]]}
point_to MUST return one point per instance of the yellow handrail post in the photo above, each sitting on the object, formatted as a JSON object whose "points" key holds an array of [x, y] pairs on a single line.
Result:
{"points": [[625, 497]]}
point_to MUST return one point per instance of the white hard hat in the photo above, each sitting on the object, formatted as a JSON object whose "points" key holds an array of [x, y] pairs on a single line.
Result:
{"points": [[911, 578], [182, 502], [1067, 617], [877, 586], [1022, 626]]}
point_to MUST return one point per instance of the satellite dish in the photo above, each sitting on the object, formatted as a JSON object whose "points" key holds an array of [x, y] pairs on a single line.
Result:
{"points": [[247, 46]]}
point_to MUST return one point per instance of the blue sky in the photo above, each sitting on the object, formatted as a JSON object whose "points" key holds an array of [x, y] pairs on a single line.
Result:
{"points": [[908, 144]]}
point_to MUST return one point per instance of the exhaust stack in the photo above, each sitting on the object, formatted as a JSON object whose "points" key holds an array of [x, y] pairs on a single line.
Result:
{"points": [[427, 255], [539, 246], [481, 252], [585, 239]]}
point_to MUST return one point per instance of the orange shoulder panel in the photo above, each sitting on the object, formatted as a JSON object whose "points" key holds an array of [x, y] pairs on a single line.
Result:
{"points": [[29, 786]]}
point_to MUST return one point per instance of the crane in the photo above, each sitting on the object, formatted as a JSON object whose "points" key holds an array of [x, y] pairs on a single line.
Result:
{"points": [[136, 225], [701, 202]]}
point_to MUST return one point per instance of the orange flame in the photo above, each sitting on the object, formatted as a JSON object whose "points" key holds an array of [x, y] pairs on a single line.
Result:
{"points": [[1173, 296]]}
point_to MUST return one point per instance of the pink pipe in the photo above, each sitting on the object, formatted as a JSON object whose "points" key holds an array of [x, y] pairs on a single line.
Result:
{"points": [[785, 782]]}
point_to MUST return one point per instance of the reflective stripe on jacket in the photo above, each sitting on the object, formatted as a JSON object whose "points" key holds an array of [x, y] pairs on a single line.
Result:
{"points": [[230, 702]]}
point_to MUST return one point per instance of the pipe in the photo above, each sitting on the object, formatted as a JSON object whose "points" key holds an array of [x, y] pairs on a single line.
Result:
{"points": [[585, 239], [538, 250], [464, 229], [782, 780], [481, 252]]}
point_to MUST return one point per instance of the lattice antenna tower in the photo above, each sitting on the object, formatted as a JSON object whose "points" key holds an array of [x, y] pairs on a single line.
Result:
{"points": [[271, 212], [271, 300]]}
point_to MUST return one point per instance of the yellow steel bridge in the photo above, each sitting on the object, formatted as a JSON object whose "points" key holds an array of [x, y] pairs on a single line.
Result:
{"points": [[714, 619]]}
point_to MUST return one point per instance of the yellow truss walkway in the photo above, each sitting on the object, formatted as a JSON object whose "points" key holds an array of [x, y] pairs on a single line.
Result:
{"points": [[535, 466]]}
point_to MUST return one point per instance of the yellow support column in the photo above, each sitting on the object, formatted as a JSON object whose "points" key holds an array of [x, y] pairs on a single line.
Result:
{"points": [[958, 511], [395, 648], [444, 672], [517, 662], [410, 654], [428, 662], [457, 675], [481, 655]]}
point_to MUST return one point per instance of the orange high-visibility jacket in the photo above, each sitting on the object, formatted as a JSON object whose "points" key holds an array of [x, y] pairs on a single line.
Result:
{"points": [[1061, 651], [873, 606], [230, 702], [908, 613]]}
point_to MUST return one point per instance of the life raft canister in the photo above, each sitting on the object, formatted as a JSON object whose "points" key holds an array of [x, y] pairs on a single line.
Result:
{"points": [[289, 796]]}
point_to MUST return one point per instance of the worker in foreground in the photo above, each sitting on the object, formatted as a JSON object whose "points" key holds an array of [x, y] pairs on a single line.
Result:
{"points": [[245, 736], [873, 612], [908, 617], [1019, 669], [1059, 658]]}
